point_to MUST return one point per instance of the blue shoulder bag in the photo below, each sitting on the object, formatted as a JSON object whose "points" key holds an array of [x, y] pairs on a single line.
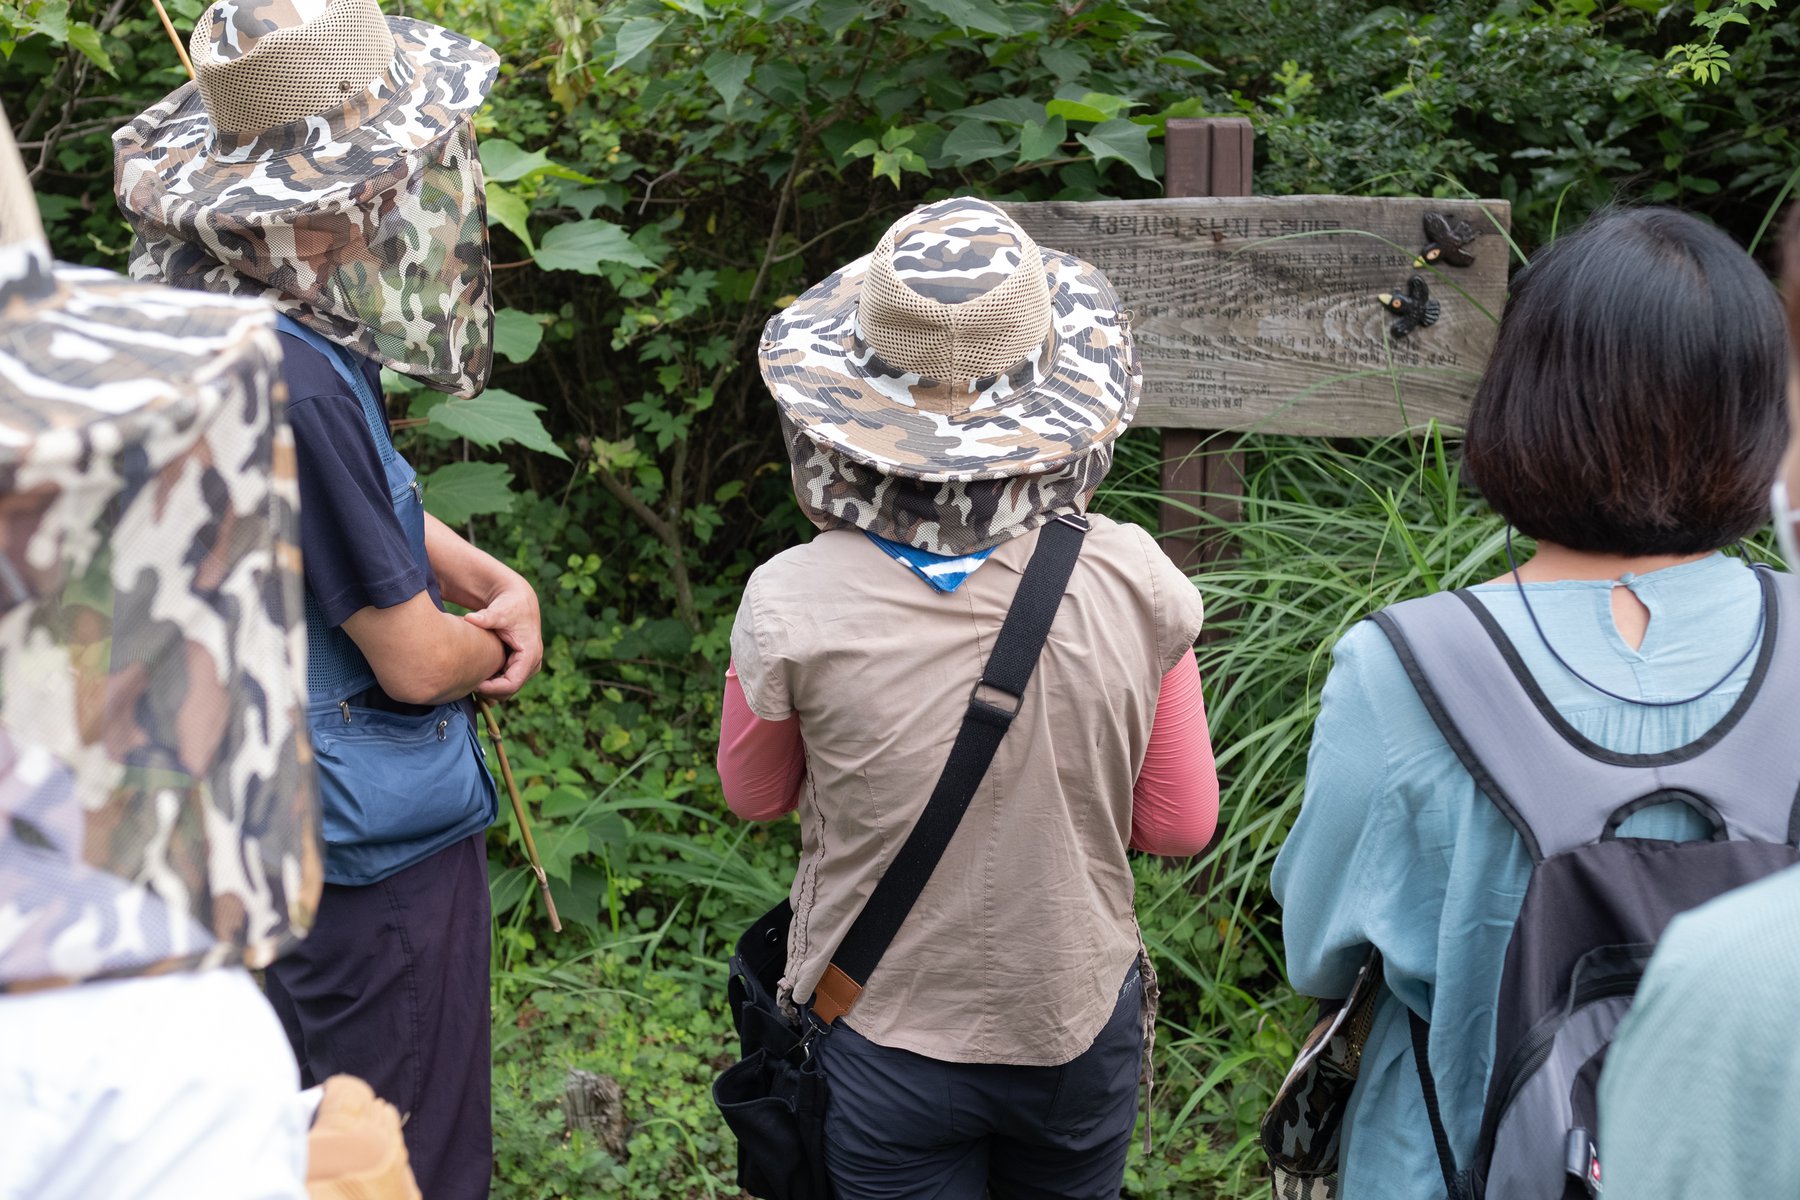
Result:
{"points": [[394, 787]]}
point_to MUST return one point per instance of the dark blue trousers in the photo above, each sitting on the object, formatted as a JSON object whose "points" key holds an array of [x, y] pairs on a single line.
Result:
{"points": [[392, 985], [900, 1126]]}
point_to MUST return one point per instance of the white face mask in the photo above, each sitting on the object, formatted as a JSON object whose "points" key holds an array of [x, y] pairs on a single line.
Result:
{"points": [[1787, 524]]}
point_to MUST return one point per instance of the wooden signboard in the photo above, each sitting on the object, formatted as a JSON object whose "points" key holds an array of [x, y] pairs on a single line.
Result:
{"points": [[1260, 312]]}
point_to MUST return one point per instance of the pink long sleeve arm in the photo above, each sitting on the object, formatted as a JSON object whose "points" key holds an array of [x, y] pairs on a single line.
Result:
{"points": [[761, 762], [1175, 803]]}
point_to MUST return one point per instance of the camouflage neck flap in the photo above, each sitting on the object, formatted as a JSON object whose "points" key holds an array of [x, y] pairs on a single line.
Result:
{"points": [[366, 222], [396, 268], [837, 492]]}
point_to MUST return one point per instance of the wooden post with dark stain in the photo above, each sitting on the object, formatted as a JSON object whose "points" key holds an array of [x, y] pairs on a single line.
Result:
{"points": [[1203, 156]]}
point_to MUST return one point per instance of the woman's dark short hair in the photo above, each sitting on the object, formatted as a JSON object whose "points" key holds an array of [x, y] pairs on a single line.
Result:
{"points": [[1635, 401]]}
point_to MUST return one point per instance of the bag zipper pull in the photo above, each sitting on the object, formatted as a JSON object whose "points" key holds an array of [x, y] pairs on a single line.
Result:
{"points": [[344, 707], [417, 494], [444, 730]]}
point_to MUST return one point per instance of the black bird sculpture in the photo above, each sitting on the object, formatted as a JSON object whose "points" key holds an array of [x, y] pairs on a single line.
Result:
{"points": [[1416, 308], [1446, 242]]}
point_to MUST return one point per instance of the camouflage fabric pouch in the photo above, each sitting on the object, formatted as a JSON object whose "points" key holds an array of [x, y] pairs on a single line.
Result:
{"points": [[1300, 1132]]}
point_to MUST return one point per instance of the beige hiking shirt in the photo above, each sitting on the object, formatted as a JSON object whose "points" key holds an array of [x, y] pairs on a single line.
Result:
{"points": [[1015, 950]]}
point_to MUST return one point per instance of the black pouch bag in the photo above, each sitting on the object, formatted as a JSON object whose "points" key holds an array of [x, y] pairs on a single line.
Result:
{"points": [[774, 1097]]}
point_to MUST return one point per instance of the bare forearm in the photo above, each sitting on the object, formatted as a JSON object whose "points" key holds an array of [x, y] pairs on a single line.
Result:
{"points": [[468, 575], [498, 598], [467, 656], [421, 655]]}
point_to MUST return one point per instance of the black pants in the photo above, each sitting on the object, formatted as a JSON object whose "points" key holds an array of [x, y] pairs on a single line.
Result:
{"points": [[900, 1126], [392, 985]]}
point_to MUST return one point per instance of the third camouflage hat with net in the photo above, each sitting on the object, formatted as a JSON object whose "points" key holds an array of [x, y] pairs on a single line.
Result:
{"points": [[958, 351], [156, 798]]}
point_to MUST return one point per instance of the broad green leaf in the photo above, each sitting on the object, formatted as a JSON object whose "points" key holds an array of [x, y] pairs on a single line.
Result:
{"points": [[972, 142], [457, 491], [968, 15], [51, 19], [516, 334], [86, 38], [1042, 141], [1073, 110], [781, 80], [493, 417], [1093, 106], [508, 210], [634, 38], [584, 245], [1183, 58], [1123, 140], [1007, 110], [728, 73], [504, 162], [584, 200], [1064, 62]]}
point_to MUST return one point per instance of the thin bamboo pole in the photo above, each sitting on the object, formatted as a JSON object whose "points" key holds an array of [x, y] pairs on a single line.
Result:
{"points": [[512, 790], [169, 28]]}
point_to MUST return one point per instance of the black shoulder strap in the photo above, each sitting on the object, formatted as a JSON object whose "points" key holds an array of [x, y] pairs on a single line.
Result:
{"points": [[1421, 1039], [1009, 669]]}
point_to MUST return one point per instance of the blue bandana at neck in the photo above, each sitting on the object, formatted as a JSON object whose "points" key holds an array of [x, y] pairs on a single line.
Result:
{"points": [[944, 572]]}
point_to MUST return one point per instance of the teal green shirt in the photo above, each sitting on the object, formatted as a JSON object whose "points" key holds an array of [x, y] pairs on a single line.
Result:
{"points": [[1716, 1024], [1394, 846]]}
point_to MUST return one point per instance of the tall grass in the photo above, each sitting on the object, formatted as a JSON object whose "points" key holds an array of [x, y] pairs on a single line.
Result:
{"points": [[1330, 532]]}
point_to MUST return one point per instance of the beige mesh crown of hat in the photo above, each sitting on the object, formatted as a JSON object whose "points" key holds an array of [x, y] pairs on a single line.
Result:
{"points": [[958, 350], [262, 63]]}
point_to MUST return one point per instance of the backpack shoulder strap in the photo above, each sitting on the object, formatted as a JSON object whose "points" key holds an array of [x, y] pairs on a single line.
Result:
{"points": [[1559, 789], [1472, 694]]}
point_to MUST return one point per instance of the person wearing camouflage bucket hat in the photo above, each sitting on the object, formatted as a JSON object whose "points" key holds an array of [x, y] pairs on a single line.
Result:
{"points": [[158, 832], [942, 399], [323, 159], [955, 387]]}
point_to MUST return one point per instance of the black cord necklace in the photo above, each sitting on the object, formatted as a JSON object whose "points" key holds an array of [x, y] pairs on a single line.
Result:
{"points": [[1762, 616]]}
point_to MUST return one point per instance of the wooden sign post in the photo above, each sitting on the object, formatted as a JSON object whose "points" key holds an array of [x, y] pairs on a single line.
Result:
{"points": [[1202, 156], [1261, 313]]}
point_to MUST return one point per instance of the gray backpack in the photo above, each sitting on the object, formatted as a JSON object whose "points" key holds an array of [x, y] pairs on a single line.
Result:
{"points": [[1596, 902]]}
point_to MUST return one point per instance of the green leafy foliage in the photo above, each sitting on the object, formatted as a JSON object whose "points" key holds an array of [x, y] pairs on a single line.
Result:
{"points": [[455, 492], [493, 417], [664, 174]]}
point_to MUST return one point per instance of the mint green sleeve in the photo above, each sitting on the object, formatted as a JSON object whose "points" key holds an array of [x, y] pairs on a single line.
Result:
{"points": [[1355, 871], [1700, 1096]]}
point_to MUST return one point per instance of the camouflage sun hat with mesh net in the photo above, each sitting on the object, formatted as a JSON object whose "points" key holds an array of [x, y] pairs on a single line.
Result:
{"points": [[959, 351], [156, 808], [324, 160]]}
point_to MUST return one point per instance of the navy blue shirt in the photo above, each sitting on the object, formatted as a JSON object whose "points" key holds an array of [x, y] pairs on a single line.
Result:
{"points": [[352, 546]]}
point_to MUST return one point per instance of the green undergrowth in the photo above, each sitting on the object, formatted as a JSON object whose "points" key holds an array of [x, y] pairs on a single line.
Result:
{"points": [[613, 748]]}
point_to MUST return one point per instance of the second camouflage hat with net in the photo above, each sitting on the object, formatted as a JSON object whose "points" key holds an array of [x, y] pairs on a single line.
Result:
{"points": [[324, 160]]}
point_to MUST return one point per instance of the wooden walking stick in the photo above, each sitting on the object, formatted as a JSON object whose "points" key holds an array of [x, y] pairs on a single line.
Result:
{"points": [[512, 790], [169, 28]]}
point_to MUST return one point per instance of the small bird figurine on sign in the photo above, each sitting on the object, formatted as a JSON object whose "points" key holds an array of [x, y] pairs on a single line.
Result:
{"points": [[1416, 308], [1446, 242]]}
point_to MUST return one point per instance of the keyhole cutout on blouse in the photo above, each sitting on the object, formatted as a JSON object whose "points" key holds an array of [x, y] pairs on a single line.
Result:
{"points": [[1631, 616]]}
